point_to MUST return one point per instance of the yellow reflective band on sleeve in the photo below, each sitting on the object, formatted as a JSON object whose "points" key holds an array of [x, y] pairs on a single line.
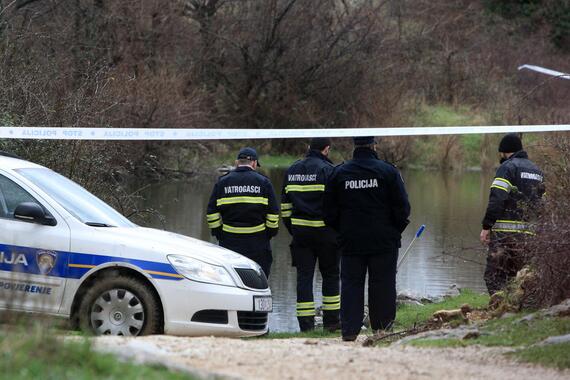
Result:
{"points": [[327, 299], [272, 224], [272, 220], [307, 223], [214, 216], [504, 180], [234, 200], [502, 184], [243, 230], [286, 214], [302, 188], [215, 224], [286, 206], [331, 306]]}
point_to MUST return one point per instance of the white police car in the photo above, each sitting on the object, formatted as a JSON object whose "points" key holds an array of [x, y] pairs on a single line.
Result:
{"points": [[65, 252]]}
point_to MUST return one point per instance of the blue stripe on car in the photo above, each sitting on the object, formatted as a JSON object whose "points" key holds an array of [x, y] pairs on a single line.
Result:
{"points": [[72, 264]]}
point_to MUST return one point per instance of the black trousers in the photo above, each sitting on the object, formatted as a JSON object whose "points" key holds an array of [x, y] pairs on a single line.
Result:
{"points": [[311, 245], [381, 269], [504, 259], [256, 248]]}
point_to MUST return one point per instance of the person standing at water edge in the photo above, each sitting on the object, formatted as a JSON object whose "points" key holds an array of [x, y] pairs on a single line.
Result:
{"points": [[514, 200], [366, 202], [302, 214], [243, 213]]}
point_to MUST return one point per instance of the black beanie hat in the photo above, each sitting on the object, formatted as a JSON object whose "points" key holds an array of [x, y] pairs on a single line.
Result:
{"points": [[364, 140], [511, 143], [319, 143]]}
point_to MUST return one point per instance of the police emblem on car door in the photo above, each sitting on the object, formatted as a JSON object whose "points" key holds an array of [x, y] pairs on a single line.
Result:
{"points": [[46, 261]]}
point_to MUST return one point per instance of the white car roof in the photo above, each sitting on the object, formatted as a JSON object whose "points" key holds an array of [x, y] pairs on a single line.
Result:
{"points": [[9, 163]]}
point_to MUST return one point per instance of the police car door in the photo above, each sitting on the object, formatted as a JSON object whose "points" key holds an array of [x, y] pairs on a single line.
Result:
{"points": [[32, 255]]}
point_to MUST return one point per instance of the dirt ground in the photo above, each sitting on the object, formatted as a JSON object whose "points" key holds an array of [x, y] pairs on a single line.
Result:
{"points": [[211, 357]]}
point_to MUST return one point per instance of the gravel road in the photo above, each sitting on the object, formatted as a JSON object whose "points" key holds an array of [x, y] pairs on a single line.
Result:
{"points": [[297, 358]]}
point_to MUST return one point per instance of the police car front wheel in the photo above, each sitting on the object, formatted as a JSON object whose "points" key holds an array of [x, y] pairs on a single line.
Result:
{"points": [[120, 306]]}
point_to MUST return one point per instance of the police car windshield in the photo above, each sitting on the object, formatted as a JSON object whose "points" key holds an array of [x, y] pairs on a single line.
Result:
{"points": [[75, 199]]}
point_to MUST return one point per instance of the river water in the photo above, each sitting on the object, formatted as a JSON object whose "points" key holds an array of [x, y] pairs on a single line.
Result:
{"points": [[450, 204]]}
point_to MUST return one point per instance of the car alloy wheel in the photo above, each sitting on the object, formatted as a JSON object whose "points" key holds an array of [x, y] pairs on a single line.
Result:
{"points": [[117, 312]]}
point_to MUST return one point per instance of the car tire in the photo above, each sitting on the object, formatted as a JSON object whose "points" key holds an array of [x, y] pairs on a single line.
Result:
{"points": [[120, 305]]}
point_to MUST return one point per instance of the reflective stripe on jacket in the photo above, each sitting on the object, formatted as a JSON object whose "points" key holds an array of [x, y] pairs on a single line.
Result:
{"points": [[515, 195], [303, 190], [243, 209]]}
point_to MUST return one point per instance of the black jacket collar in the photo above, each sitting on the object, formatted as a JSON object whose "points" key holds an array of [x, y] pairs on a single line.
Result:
{"points": [[364, 153], [242, 169], [519, 154], [317, 154]]}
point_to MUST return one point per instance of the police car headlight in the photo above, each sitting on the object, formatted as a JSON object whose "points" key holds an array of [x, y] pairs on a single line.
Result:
{"points": [[197, 270]]}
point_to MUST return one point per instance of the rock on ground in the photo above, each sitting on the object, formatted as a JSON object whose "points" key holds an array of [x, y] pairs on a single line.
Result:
{"points": [[298, 358], [461, 332], [559, 339], [560, 310]]}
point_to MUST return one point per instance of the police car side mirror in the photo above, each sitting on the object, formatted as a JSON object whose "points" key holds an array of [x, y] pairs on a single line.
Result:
{"points": [[33, 213]]}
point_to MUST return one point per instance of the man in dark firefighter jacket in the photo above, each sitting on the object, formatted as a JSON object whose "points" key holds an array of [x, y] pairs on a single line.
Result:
{"points": [[366, 202], [514, 201], [302, 214], [243, 213]]}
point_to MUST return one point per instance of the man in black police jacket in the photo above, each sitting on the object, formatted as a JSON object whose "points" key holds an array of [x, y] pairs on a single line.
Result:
{"points": [[366, 202], [514, 200], [243, 213], [302, 214]]}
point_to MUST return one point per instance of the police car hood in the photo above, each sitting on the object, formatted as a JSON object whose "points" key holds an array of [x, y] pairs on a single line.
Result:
{"points": [[151, 241]]}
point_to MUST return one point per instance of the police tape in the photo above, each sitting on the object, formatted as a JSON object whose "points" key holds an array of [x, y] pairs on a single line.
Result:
{"points": [[127, 134]]}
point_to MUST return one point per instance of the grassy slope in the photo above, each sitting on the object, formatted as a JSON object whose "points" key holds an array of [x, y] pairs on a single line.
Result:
{"points": [[557, 356], [428, 148], [509, 332], [407, 315], [41, 356], [506, 332]]}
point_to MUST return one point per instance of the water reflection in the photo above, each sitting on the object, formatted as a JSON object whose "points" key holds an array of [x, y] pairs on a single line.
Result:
{"points": [[451, 205]]}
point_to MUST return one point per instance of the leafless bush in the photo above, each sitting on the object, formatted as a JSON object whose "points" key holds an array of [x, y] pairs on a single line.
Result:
{"points": [[194, 63], [94, 63], [293, 63], [549, 252], [254, 64]]}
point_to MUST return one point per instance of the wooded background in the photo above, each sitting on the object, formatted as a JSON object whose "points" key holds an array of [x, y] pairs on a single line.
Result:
{"points": [[274, 64]]}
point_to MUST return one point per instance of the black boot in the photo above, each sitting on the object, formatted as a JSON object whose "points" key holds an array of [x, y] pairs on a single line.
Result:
{"points": [[306, 323], [331, 321]]}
